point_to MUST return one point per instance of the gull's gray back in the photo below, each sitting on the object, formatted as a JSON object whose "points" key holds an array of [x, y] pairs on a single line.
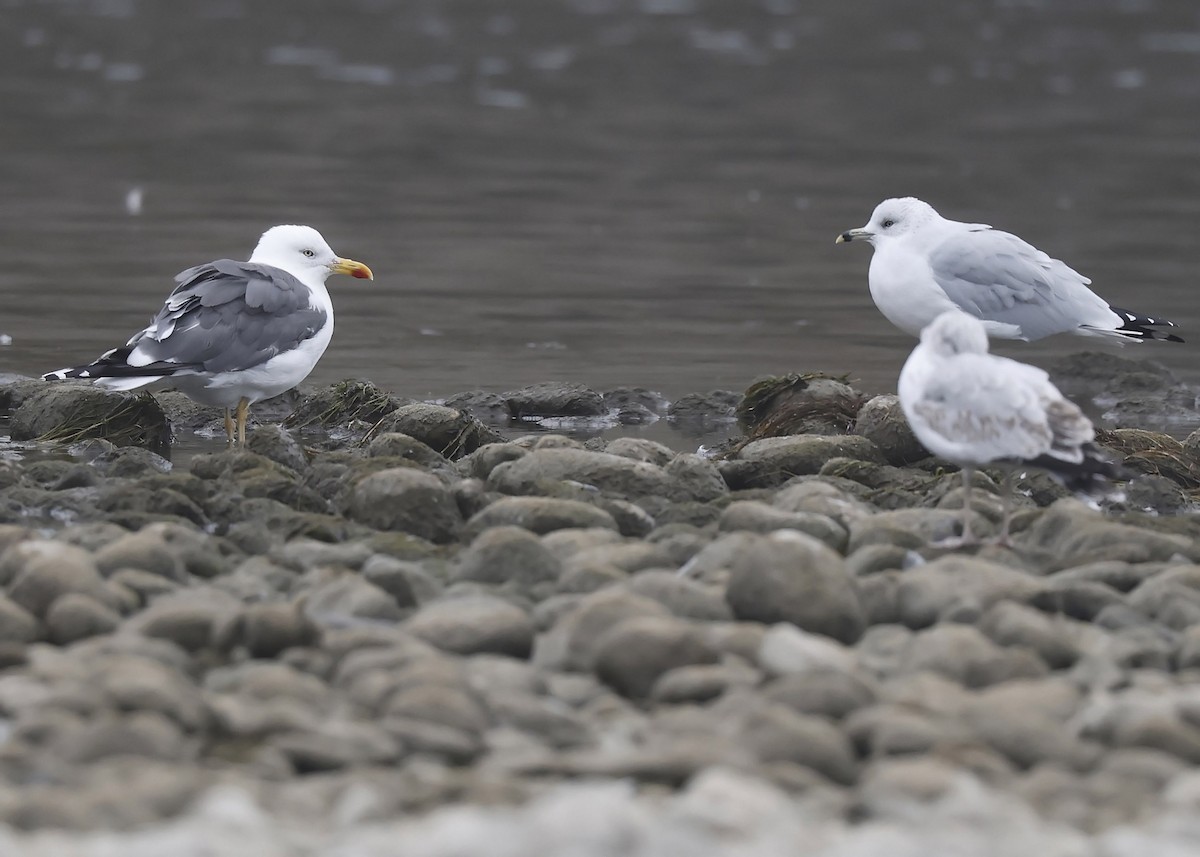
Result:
{"points": [[228, 316], [995, 276]]}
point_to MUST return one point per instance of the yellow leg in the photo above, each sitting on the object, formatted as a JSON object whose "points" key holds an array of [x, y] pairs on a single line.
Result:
{"points": [[243, 413], [228, 426]]}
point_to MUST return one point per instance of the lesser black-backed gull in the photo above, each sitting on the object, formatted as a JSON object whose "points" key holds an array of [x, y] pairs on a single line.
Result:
{"points": [[235, 333]]}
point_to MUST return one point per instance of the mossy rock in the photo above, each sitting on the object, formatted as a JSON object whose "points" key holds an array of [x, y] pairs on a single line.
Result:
{"points": [[343, 403], [1154, 452], [69, 413], [813, 403]]}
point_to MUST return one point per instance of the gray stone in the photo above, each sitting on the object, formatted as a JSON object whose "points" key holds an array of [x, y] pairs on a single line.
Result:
{"points": [[75, 617], [632, 520], [1011, 624], [1074, 536], [631, 656], [966, 656], [407, 500], [448, 432], [17, 625], [349, 597], [788, 650], [640, 449], [758, 517], [504, 554], [266, 630], [821, 693], [571, 643], [278, 444], [539, 471], [188, 623], [701, 683], [70, 412], [697, 477], [910, 528], [927, 593], [143, 551], [480, 463], [540, 515], [776, 733], [792, 577], [882, 421], [473, 624], [777, 459], [407, 582], [872, 559], [42, 571], [685, 598], [555, 399]]}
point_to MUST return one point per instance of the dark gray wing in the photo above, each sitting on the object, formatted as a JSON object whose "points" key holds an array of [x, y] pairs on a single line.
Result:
{"points": [[995, 276], [226, 316]]}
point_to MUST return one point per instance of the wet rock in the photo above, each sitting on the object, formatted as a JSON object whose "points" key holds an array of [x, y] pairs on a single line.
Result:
{"points": [[75, 617], [814, 403], [696, 409], [640, 449], [542, 469], [758, 517], [474, 624], [407, 500], [491, 408], [792, 577], [540, 515], [555, 399], [631, 656], [70, 412], [42, 571], [882, 421], [502, 554], [448, 432], [1156, 494], [342, 403], [277, 443], [777, 459]]}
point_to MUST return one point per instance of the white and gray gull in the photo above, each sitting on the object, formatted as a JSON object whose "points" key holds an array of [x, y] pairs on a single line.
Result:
{"points": [[924, 264], [973, 408], [235, 333]]}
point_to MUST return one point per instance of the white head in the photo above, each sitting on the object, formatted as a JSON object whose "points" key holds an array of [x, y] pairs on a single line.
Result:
{"points": [[955, 332], [892, 218], [302, 252]]}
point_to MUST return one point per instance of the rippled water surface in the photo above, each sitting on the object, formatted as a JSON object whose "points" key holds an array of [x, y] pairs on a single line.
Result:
{"points": [[613, 192]]}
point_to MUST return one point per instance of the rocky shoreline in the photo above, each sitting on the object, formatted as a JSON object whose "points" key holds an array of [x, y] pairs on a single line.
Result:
{"points": [[406, 625]]}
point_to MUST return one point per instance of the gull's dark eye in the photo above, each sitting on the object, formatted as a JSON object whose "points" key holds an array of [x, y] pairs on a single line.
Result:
{"points": [[308, 253], [888, 222]]}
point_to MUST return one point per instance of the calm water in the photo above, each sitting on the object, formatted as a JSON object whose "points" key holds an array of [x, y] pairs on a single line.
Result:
{"points": [[608, 191]]}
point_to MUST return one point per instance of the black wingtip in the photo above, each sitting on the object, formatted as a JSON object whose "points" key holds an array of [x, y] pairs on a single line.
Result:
{"points": [[1091, 476], [1136, 326]]}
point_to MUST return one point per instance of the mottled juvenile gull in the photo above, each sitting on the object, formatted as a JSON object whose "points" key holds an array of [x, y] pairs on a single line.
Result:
{"points": [[925, 264], [973, 408], [235, 333]]}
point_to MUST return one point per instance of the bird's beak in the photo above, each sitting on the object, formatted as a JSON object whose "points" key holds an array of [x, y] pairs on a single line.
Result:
{"points": [[852, 234], [354, 269]]}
